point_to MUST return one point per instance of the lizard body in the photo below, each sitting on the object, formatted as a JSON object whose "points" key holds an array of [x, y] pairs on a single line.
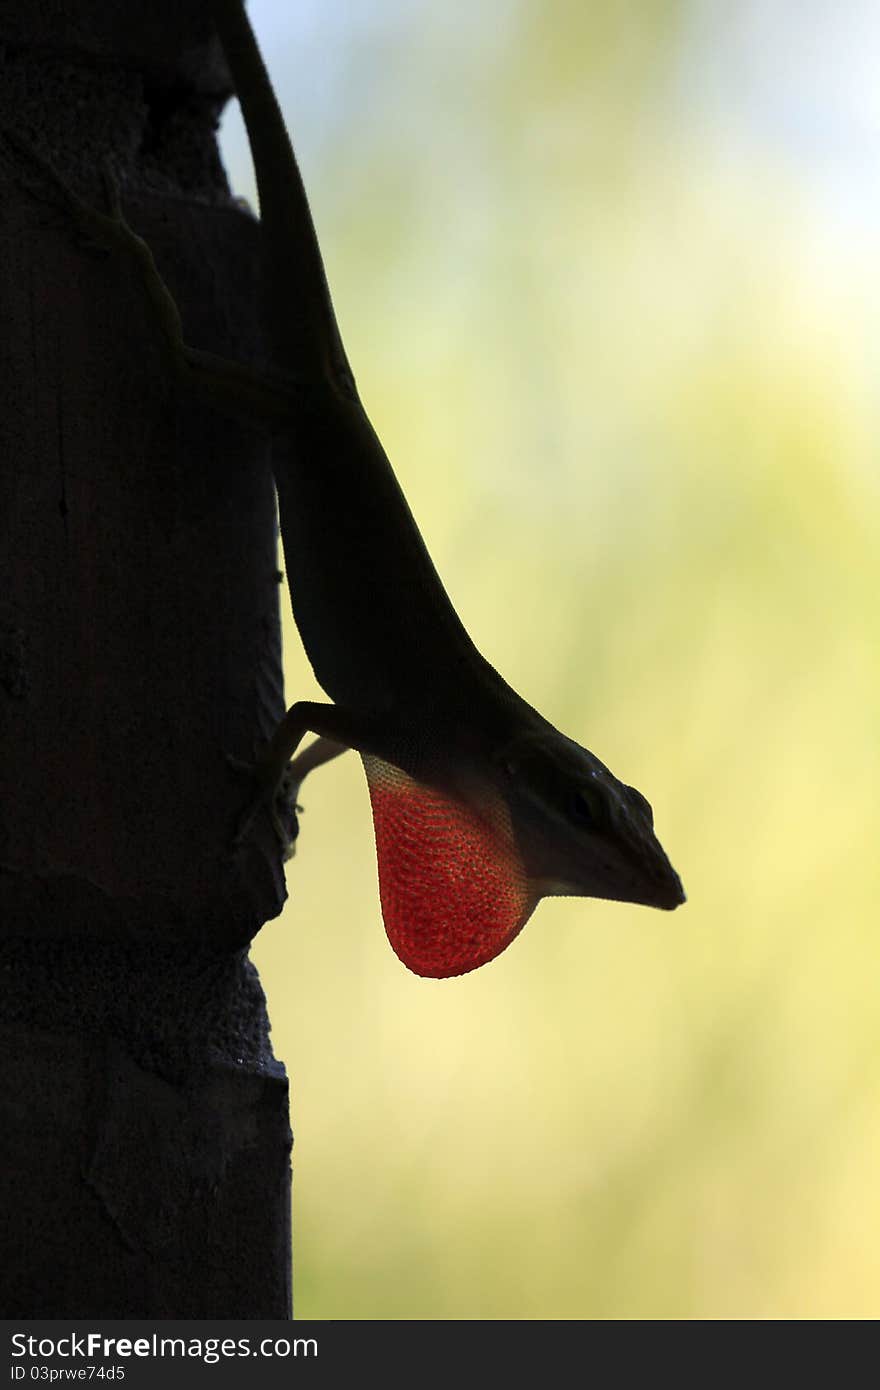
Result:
{"points": [[480, 806]]}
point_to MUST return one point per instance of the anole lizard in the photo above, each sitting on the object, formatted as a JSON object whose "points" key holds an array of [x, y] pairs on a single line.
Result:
{"points": [[480, 806]]}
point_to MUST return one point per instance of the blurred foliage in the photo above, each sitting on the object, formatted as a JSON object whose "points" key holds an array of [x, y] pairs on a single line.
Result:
{"points": [[631, 407]]}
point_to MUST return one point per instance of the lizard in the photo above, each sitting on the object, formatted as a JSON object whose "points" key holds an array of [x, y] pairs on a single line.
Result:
{"points": [[481, 807]]}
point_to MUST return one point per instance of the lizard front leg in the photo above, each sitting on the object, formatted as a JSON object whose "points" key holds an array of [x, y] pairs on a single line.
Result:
{"points": [[264, 397], [279, 775]]}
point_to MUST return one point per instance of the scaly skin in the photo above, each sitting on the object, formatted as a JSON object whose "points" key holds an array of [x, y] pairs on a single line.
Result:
{"points": [[481, 807]]}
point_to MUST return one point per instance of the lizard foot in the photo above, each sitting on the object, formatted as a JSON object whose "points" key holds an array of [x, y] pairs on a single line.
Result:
{"points": [[105, 231], [99, 231], [277, 795]]}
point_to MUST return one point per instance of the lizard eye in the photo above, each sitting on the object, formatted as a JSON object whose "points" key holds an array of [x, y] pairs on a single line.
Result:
{"points": [[584, 809]]}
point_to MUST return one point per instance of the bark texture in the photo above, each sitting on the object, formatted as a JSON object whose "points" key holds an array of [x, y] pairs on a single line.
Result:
{"points": [[144, 1135]]}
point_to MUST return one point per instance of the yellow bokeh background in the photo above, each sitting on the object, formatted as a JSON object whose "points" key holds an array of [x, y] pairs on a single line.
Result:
{"points": [[608, 277]]}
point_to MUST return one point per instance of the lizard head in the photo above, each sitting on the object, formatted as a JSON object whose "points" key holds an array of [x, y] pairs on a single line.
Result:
{"points": [[462, 865], [579, 830]]}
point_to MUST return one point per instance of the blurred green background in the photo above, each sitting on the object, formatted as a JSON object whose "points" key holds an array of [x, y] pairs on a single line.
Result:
{"points": [[608, 276]]}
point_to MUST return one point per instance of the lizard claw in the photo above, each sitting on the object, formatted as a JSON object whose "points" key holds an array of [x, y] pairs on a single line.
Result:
{"points": [[98, 230], [276, 795], [111, 193]]}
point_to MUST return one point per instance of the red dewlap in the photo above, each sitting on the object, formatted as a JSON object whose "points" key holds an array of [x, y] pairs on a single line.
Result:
{"points": [[452, 886]]}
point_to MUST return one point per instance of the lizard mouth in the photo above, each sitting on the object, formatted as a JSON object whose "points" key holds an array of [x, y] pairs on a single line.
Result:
{"points": [[664, 892], [673, 894], [662, 889]]}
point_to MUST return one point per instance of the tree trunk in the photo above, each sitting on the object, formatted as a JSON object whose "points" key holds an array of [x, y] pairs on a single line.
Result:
{"points": [[144, 1134]]}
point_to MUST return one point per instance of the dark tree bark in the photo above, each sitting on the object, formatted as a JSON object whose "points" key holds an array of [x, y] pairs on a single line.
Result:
{"points": [[144, 1136]]}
